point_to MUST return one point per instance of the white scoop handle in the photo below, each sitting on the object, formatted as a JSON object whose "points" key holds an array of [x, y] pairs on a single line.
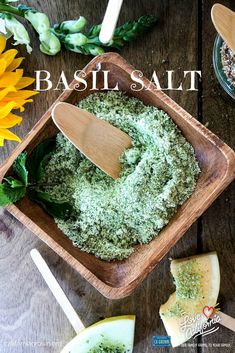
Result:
{"points": [[227, 321], [57, 291], [110, 20]]}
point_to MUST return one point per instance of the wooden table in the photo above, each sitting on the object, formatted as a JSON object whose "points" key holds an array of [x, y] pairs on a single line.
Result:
{"points": [[30, 319]]}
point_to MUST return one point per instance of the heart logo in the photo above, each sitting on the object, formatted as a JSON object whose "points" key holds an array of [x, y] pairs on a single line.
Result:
{"points": [[208, 311]]}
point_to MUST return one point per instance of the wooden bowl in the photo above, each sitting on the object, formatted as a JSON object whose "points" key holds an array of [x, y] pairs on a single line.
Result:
{"points": [[118, 279]]}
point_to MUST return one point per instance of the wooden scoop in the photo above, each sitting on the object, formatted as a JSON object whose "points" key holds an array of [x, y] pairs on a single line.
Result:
{"points": [[99, 141], [224, 22]]}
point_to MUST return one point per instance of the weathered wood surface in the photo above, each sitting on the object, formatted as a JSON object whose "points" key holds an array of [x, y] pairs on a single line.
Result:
{"points": [[30, 319], [218, 227]]}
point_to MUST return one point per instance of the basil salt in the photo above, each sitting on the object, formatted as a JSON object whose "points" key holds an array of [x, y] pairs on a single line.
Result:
{"points": [[158, 174]]}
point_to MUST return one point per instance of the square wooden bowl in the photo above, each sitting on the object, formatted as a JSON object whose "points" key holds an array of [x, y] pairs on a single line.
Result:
{"points": [[217, 162]]}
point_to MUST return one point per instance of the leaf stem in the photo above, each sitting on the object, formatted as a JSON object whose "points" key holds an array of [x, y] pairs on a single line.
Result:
{"points": [[11, 10]]}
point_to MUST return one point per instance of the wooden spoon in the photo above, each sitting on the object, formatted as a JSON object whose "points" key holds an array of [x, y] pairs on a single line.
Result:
{"points": [[224, 22], [99, 141]]}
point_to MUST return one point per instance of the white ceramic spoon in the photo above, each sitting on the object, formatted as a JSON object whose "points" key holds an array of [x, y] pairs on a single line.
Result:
{"points": [[110, 20], [57, 291]]}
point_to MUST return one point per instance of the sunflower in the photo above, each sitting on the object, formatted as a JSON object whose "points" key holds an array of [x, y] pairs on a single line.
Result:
{"points": [[12, 95]]}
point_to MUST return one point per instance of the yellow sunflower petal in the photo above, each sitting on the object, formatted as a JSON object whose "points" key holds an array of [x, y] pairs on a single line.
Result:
{"points": [[24, 82], [18, 101], [11, 78], [9, 55], [6, 109], [15, 106], [10, 121], [3, 65], [11, 82], [22, 102], [14, 64], [5, 91], [2, 43], [8, 135], [20, 95]]}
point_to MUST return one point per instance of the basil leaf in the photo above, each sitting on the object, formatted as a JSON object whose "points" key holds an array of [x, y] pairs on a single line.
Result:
{"points": [[20, 168], [36, 157], [53, 207], [42, 165], [9, 195], [14, 183]]}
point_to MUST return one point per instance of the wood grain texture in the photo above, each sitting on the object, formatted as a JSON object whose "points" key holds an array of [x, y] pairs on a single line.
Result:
{"points": [[218, 222], [30, 320]]}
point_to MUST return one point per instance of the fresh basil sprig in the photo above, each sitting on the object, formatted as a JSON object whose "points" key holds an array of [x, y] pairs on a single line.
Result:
{"points": [[10, 194], [35, 160], [19, 168], [55, 208], [73, 34], [12, 190], [30, 170]]}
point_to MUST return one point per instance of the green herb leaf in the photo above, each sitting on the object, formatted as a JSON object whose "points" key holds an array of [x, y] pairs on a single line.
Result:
{"points": [[9, 195], [14, 183], [20, 168], [36, 158], [94, 31], [91, 44], [42, 165], [131, 30], [56, 209], [25, 8]]}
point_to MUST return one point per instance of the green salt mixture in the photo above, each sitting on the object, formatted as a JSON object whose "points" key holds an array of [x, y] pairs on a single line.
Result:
{"points": [[188, 281], [106, 347], [159, 173], [175, 309]]}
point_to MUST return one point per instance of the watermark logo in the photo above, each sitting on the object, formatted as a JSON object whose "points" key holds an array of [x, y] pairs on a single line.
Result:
{"points": [[161, 341], [208, 311], [202, 324]]}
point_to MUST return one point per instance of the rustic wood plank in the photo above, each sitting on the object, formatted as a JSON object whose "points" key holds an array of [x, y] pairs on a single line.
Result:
{"points": [[218, 222], [28, 310]]}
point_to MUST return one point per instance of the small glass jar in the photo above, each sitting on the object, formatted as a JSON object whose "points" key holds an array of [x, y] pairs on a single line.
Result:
{"points": [[218, 67]]}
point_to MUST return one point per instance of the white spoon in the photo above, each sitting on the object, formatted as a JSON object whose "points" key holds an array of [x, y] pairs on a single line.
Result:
{"points": [[95, 331], [57, 291], [110, 20]]}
